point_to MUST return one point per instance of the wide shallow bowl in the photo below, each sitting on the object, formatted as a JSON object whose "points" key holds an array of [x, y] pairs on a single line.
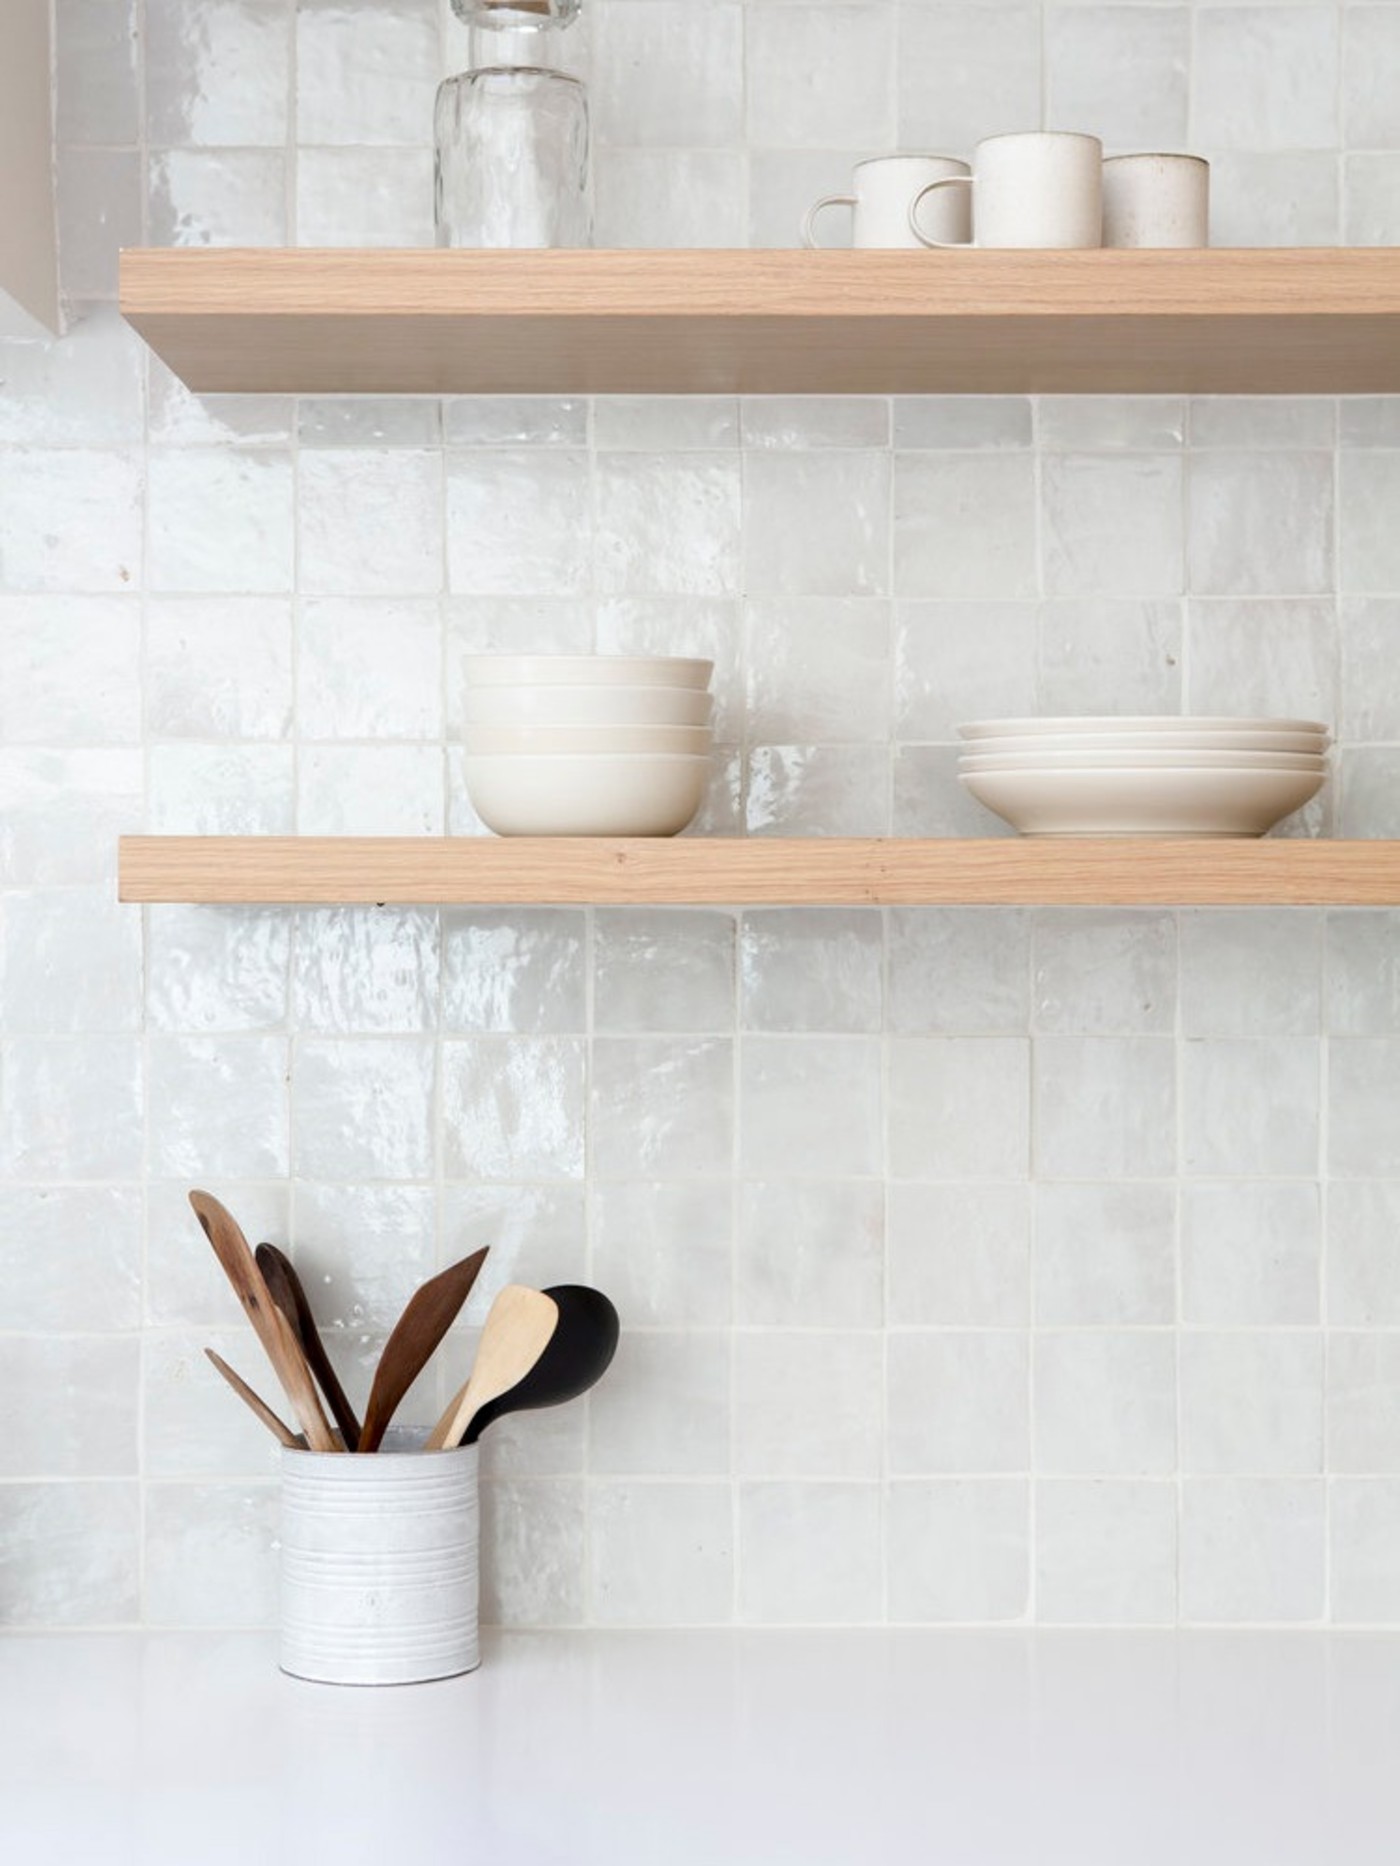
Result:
{"points": [[586, 706], [1151, 741], [1137, 759], [1131, 802], [1147, 722], [532, 740], [588, 794], [586, 670]]}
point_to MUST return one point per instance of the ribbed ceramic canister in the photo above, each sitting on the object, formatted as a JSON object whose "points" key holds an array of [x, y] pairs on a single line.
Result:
{"points": [[379, 1565]]}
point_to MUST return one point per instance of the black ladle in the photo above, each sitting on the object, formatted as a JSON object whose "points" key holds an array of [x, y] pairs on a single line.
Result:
{"points": [[576, 1355]]}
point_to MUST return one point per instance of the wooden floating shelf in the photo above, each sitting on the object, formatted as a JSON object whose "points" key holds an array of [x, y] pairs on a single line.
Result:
{"points": [[1257, 321], [758, 871]]}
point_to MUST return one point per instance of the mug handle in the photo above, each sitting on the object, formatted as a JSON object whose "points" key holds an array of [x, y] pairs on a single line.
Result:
{"points": [[948, 181], [809, 224]]}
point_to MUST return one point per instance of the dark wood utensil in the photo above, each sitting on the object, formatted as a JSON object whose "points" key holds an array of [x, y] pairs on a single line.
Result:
{"points": [[279, 1430], [289, 1294], [577, 1355], [429, 1313], [272, 1328]]}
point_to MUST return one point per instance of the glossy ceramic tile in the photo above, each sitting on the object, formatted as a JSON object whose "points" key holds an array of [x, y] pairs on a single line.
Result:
{"points": [[1106, 1552], [958, 1551], [219, 667], [1253, 1548], [667, 73], [838, 1581], [1251, 1253], [807, 1405], [659, 970], [1265, 77], [963, 69], [1105, 1255], [800, 970], [1011, 1265], [1363, 1279], [958, 1256], [665, 1408], [820, 76], [1112, 526], [220, 521], [366, 72], [1105, 1404], [1151, 53], [810, 1253], [506, 971]]}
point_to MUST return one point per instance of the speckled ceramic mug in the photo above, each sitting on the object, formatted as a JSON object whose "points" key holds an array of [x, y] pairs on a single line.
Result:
{"points": [[379, 1564], [1030, 189], [1156, 200]]}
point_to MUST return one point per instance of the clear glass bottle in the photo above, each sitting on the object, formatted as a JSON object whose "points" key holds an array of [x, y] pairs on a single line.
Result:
{"points": [[512, 133]]}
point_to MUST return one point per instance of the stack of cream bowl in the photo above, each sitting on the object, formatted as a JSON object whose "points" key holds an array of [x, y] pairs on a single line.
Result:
{"points": [[587, 744], [1161, 776]]}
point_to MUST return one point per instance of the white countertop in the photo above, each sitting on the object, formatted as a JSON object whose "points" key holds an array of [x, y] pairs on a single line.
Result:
{"points": [[711, 1749]]}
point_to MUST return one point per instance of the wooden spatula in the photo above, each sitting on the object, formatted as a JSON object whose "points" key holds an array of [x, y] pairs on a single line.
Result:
{"points": [[257, 1407], [517, 1332], [270, 1325], [429, 1314], [286, 1289]]}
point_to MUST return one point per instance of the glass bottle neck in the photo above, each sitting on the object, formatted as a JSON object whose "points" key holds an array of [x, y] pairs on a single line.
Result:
{"points": [[506, 48]]}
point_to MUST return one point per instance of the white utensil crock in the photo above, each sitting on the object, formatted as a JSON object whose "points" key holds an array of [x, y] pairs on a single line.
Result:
{"points": [[379, 1565]]}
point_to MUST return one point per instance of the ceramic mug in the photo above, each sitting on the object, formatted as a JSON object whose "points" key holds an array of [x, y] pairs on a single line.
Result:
{"points": [[884, 188], [1156, 200], [1037, 188]]}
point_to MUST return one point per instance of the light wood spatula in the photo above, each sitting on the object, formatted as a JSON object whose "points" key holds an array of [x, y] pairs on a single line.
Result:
{"points": [[430, 1312], [517, 1332], [269, 1324]]}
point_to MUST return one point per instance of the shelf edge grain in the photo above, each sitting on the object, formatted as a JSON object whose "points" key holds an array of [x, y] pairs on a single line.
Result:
{"points": [[759, 321], [757, 871]]}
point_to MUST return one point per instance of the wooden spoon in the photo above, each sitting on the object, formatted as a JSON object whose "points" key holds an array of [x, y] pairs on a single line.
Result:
{"points": [[575, 1357], [272, 1328], [250, 1399], [517, 1332], [289, 1294], [429, 1314]]}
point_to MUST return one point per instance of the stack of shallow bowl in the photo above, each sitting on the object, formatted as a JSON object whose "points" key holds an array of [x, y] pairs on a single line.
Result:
{"points": [[587, 744], [1143, 777]]}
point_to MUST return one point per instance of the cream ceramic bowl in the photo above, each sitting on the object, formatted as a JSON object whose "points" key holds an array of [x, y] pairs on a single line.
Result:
{"points": [[586, 670], [1143, 760], [589, 794], [586, 706], [1154, 722], [1129, 802], [594, 740], [1152, 741]]}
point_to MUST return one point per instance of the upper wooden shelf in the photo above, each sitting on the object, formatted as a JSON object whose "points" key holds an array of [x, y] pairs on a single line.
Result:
{"points": [[1258, 321], [760, 871]]}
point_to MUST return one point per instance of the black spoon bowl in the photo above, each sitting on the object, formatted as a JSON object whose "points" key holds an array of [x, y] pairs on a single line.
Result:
{"points": [[575, 1357]]}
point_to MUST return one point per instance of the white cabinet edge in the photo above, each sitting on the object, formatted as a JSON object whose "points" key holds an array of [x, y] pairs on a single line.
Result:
{"points": [[29, 301]]}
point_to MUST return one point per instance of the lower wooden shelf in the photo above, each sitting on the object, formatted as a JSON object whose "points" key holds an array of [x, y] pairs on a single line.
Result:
{"points": [[758, 871]]}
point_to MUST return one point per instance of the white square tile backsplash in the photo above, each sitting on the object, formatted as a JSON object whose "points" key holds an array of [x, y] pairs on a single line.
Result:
{"points": [[976, 1266]]}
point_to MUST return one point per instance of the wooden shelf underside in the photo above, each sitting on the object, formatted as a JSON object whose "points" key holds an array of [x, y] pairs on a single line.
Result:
{"points": [[1297, 321], [759, 871]]}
